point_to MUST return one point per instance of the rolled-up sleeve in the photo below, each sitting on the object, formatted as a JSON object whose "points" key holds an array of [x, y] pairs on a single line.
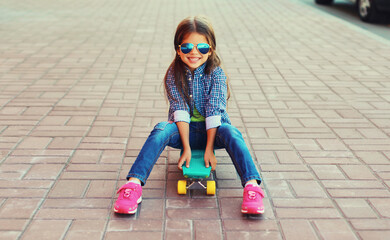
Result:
{"points": [[216, 101], [177, 105]]}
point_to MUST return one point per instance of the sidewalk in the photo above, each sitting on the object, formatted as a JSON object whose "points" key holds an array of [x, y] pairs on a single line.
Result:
{"points": [[80, 90]]}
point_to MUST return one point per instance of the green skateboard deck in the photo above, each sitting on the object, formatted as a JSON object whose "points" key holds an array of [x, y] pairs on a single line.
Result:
{"points": [[197, 167]]}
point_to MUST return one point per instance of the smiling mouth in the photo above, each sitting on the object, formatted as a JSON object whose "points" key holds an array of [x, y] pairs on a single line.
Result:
{"points": [[193, 59]]}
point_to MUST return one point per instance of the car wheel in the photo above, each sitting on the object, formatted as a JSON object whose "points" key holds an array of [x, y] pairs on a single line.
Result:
{"points": [[367, 11], [325, 2]]}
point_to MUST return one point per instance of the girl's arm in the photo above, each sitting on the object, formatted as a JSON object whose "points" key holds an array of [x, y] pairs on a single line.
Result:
{"points": [[179, 110], [178, 107], [216, 104], [184, 131], [209, 157], [216, 100]]}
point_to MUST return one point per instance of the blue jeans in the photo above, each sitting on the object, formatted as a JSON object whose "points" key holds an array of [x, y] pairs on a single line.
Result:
{"points": [[167, 134]]}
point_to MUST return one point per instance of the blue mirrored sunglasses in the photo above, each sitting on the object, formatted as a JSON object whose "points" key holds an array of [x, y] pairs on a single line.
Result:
{"points": [[187, 48]]}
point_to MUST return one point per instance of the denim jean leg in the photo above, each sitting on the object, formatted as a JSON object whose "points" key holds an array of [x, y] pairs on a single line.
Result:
{"points": [[163, 134], [230, 138]]}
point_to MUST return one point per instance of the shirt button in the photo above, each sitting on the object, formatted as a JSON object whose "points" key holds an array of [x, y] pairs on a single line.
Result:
{"points": [[189, 79], [201, 75], [191, 96]]}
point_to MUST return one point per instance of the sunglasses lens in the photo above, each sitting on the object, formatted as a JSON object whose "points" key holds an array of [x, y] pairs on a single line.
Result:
{"points": [[203, 48], [186, 47]]}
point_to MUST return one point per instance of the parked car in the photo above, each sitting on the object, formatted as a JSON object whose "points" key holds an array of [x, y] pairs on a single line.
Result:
{"points": [[369, 10]]}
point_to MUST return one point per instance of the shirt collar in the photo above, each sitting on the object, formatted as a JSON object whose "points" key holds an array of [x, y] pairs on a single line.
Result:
{"points": [[199, 70]]}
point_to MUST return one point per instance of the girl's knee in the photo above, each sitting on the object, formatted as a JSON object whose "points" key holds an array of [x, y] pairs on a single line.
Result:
{"points": [[162, 125], [167, 133], [164, 128]]}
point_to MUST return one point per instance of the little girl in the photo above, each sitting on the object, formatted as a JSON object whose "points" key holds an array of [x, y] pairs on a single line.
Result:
{"points": [[197, 91]]}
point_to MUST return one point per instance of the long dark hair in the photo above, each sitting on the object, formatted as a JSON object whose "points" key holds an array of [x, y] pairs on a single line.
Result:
{"points": [[189, 25]]}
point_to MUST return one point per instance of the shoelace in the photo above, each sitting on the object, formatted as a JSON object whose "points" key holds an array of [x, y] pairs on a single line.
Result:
{"points": [[252, 195]]}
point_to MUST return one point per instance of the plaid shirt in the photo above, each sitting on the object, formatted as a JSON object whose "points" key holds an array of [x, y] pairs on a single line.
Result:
{"points": [[208, 94]]}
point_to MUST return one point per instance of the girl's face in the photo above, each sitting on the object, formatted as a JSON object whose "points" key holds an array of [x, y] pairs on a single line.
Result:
{"points": [[194, 59]]}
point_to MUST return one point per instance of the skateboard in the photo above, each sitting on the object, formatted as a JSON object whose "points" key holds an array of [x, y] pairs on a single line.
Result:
{"points": [[196, 175]]}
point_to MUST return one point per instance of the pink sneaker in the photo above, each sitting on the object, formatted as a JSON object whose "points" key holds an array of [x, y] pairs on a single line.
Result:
{"points": [[130, 195], [253, 200]]}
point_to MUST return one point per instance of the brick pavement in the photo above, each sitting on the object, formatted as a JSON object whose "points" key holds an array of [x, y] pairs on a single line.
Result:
{"points": [[80, 89]]}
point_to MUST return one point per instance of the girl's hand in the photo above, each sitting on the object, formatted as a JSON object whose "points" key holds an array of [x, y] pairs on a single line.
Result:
{"points": [[185, 157], [210, 159]]}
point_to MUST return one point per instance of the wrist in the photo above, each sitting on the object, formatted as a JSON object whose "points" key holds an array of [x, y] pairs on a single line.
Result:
{"points": [[186, 147], [209, 148]]}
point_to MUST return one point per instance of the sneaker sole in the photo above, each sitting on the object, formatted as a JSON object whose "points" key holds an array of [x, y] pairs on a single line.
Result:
{"points": [[128, 212], [252, 211]]}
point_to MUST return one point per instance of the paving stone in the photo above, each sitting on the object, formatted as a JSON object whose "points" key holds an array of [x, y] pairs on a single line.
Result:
{"points": [[302, 202], [83, 175], [307, 213], [252, 235], [308, 189], [135, 235], [324, 172], [329, 229], [87, 226], [191, 203], [69, 188], [36, 159], [208, 229], [298, 229], [86, 156], [39, 229], [13, 224], [371, 224], [44, 171], [98, 189], [350, 184], [35, 143], [83, 235], [288, 175], [64, 143], [279, 188], [230, 192], [23, 193], [193, 213], [70, 214], [360, 193], [288, 158], [15, 208], [175, 234], [152, 209], [374, 234], [249, 225], [136, 225], [382, 206], [358, 172], [77, 203], [356, 208], [13, 171]]}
